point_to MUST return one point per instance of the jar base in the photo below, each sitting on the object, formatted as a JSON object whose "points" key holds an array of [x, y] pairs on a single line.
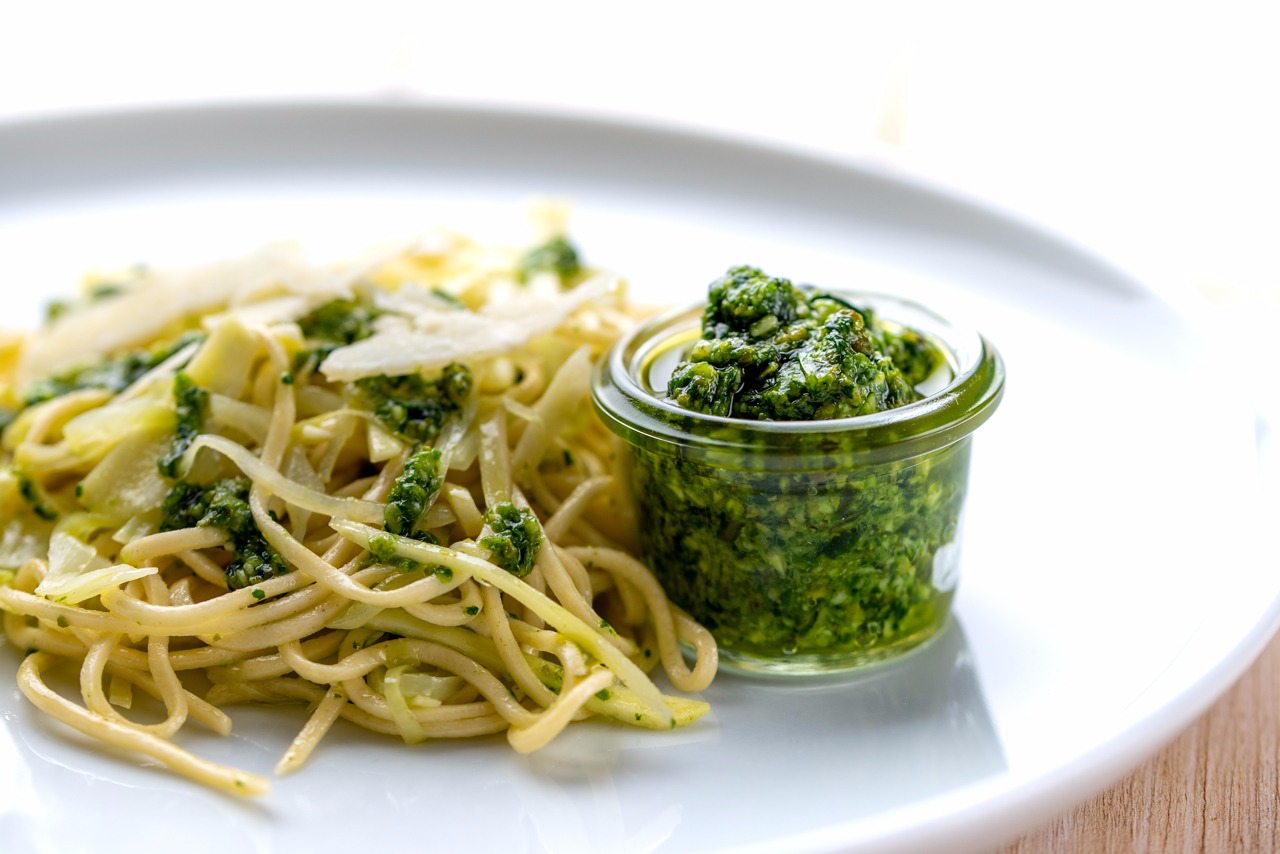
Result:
{"points": [[820, 664]]}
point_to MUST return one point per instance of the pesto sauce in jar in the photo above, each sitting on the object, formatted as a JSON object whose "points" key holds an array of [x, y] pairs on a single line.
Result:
{"points": [[828, 563], [798, 492], [838, 562]]}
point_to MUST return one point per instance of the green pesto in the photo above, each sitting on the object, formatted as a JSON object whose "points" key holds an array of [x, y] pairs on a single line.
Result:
{"points": [[113, 374], [334, 324], [412, 406], [834, 561], [224, 504], [515, 539], [772, 351], [340, 321], [190, 405], [413, 491], [557, 256], [833, 558], [383, 549]]}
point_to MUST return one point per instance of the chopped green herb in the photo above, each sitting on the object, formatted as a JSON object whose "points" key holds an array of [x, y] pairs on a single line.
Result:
{"points": [[224, 504], [106, 290], [383, 549], [471, 610], [59, 308], [340, 321], [772, 351], [190, 404], [557, 256], [515, 540], [114, 374], [35, 498], [414, 491], [414, 407], [259, 594], [335, 324]]}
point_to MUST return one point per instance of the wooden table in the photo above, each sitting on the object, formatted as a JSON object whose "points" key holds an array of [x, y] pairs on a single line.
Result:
{"points": [[1215, 789]]}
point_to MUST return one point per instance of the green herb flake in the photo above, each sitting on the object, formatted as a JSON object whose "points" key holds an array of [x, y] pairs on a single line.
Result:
{"points": [[448, 297], [383, 549], [35, 498]]}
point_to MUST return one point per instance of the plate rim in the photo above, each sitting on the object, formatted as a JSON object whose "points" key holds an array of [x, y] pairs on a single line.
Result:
{"points": [[972, 810]]}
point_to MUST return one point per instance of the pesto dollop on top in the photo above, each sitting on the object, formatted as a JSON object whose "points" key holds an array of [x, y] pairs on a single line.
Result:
{"points": [[773, 351]]}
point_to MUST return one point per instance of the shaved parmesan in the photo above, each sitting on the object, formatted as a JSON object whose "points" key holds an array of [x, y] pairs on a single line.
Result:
{"points": [[435, 338], [164, 298]]}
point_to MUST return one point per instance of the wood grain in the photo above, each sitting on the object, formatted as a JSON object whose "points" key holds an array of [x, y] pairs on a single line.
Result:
{"points": [[1215, 789]]}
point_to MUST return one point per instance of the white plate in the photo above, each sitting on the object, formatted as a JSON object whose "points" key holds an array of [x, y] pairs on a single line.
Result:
{"points": [[1114, 581]]}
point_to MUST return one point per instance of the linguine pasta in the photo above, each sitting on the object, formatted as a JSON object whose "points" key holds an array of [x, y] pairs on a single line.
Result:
{"points": [[376, 490]]}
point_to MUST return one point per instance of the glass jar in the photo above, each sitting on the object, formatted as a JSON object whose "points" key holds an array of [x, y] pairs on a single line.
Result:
{"points": [[804, 546]]}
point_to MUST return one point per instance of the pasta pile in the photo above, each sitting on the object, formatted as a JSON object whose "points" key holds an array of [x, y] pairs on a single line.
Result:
{"points": [[376, 490]]}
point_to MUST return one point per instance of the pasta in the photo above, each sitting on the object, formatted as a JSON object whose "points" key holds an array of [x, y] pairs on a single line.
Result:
{"points": [[376, 490]]}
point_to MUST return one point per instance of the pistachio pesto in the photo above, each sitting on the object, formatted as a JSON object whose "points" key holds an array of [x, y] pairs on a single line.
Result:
{"points": [[789, 495]]}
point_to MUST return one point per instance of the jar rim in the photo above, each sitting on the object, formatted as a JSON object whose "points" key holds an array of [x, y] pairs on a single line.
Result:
{"points": [[632, 410]]}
